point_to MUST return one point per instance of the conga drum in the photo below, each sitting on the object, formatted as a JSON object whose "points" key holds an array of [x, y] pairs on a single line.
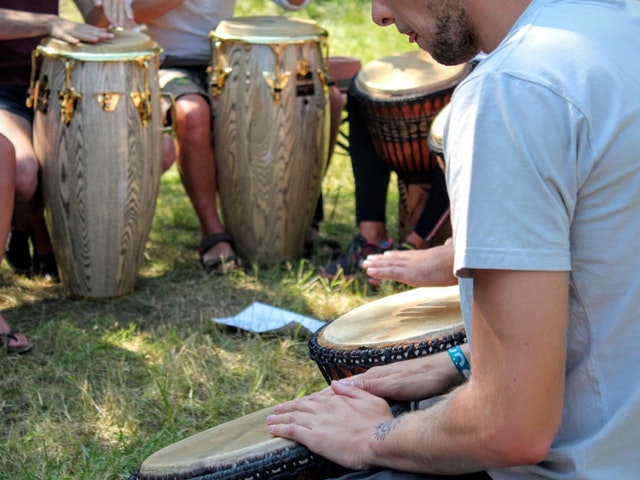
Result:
{"points": [[269, 93], [403, 326], [98, 137], [241, 449], [401, 95]]}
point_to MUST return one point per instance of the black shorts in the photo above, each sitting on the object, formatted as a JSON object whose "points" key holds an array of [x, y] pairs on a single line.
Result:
{"points": [[13, 99]]}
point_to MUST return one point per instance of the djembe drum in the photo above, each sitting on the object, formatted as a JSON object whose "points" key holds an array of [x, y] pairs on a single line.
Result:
{"points": [[401, 95], [98, 137], [241, 449], [436, 132], [269, 92], [403, 326]]}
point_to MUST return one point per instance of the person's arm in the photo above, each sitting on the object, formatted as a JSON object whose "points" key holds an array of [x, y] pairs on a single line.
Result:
{"points": [[16, 24], [410, 380], [431, 267], [292, 4], [97, 12], [506, 414]]}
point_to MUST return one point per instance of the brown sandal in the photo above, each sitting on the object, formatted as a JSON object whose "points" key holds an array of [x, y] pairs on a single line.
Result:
{"points": [[222, 264]]}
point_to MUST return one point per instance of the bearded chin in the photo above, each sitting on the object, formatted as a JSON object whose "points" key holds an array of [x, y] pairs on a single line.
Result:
{"points": [[454, 42]]}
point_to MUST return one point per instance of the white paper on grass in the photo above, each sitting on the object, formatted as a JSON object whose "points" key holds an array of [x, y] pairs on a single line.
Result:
{"points": [[261, 318]]}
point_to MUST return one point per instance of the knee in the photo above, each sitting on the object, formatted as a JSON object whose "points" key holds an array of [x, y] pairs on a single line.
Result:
{"points": [[193, 117], [26, 179]]}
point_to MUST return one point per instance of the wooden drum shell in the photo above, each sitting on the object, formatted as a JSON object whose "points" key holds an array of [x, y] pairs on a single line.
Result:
{"points": [[271, 142], [100, 165]]}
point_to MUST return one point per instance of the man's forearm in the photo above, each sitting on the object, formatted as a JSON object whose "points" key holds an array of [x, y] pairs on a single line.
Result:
{"points": [[16, 24]]}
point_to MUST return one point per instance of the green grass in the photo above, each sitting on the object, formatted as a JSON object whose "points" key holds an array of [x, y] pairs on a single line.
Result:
{"points": [[112, 381]]}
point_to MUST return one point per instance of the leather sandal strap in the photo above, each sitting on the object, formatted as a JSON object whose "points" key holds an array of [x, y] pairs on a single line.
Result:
{"points": [[214, 239]]}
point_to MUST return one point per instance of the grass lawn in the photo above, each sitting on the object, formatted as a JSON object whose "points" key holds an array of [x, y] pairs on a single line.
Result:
{"points": [[109, 382]]}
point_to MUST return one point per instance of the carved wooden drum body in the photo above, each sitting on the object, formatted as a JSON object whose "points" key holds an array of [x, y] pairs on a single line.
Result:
{"points": [[98, 138], [401, 95], [269, 91]]}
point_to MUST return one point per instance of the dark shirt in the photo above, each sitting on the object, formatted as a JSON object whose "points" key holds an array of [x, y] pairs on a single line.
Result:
{"points": [[15, 55]]}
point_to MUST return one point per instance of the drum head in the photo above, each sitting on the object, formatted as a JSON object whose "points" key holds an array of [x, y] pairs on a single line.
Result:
{"points": [[407, 74], [267, 30], [125, 45], [415, 315], [240, 445]]}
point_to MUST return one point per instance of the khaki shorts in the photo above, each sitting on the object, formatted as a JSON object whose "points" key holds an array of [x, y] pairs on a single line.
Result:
{"points": [[183, 81]]}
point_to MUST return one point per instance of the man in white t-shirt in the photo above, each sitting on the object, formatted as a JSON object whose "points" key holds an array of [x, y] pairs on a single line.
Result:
{"points": [[542, 155]]}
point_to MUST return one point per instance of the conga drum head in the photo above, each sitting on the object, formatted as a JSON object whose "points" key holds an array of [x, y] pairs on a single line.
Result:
{"points": [[268, 29], [124, 45], [239, 449], [406, 325], [407, 74]]}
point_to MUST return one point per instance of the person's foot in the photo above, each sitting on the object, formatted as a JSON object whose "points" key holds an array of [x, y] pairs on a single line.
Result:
{"points": [[46, 267], [18, 253], [350, 262], [217, 253], [12, 341]]}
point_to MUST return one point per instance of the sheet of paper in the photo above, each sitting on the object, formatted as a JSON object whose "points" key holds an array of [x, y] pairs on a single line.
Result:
{"points": [[260, 318]]}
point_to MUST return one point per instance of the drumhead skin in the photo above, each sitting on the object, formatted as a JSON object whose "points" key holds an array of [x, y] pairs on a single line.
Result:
{"points": [[437, 129], [268, 29], [417, 314], [406, 74], [239, 449], [124, 45], [404, 326]]}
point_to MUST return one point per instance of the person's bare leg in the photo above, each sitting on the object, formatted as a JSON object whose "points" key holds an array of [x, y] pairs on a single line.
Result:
{"points": [[7, 182], [168, 152], [374, 232], [196, 163], [416, 240]]}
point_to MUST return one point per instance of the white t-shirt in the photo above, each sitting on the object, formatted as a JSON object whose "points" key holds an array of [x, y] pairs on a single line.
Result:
{"points": [[184, 31], [543, 165]]}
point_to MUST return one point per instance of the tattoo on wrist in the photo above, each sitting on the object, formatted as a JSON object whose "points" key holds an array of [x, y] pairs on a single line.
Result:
{"points": [[384, 429]]}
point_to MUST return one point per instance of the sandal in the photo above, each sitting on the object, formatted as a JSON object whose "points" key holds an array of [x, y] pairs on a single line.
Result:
{"points": [[5, 339], [222, 264]]}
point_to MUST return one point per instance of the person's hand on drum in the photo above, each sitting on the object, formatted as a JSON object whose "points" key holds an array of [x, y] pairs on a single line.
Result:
{"points": [[410, 380], [73, 32], [319, 421], [118, 12], [432, 267]]}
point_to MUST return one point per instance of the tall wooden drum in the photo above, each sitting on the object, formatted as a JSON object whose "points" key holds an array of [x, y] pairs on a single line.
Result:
{"points": [[98, 137], [269, 93]]}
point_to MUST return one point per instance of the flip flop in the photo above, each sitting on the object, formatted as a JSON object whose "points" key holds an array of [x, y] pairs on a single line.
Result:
{"points": [[5, 339]]}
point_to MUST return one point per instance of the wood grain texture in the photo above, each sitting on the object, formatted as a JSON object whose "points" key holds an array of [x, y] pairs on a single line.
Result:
{"points": [[101, 175], [270, 156]]}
